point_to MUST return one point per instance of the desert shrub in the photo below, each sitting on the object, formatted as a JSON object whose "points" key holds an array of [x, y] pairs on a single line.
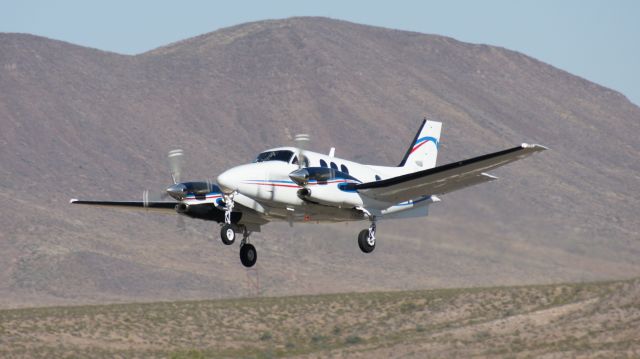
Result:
{"points": [[408, 307]]}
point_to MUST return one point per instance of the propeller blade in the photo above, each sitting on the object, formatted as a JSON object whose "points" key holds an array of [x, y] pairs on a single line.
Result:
{"points": [[301, 140], [180, 225], [175, 164], [153, 196], [145, 198]]}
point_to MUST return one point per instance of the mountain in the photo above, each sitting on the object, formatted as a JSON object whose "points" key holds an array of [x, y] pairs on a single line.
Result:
{"points": [[80, 122]]}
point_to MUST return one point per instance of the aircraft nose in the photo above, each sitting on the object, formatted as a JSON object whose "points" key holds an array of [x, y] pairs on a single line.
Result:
{"points": [[229, 180]]}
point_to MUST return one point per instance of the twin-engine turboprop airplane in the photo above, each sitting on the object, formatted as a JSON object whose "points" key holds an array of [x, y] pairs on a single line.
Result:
{"points": [[295, 185]]}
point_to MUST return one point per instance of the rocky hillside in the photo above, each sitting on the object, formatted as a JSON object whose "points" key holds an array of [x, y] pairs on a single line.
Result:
{"points": [[79, 122]]}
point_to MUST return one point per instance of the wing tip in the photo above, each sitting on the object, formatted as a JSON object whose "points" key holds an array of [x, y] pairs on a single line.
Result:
{"points": [[73, 200], [534, 146], [489, 176]]}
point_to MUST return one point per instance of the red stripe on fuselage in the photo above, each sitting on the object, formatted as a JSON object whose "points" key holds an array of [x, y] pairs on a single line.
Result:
{"points": [[293, 185], [276, 185]]}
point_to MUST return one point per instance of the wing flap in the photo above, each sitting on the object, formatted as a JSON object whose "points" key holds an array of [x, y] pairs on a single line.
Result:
{"points": [[444, 179]]}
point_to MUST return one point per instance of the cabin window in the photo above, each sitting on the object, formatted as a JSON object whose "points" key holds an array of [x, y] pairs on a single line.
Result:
{"points": [[334, 166], [344, 169], [283, 155], [323, 163]]}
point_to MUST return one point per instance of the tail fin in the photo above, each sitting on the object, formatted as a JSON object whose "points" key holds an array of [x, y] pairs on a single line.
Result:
{"points": [[423, 151]]}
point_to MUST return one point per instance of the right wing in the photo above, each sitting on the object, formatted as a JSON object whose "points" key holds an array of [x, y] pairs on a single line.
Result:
{"points": [[444, 179]]}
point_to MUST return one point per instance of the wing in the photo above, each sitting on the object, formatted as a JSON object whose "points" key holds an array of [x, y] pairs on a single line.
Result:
{"points": [[444, 179], [206, 211], [163, 206]]}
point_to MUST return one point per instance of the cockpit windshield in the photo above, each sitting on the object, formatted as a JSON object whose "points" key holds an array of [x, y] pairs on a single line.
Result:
{"points": [[282, 155]]}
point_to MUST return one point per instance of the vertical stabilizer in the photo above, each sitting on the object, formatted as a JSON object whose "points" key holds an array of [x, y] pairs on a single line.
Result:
{"points": [[423, 151]]}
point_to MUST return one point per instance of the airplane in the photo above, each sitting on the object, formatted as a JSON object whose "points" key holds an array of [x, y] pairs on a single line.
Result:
{"points": [[299, 186]]}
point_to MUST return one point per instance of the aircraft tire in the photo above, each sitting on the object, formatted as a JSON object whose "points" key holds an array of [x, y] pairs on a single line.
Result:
{"points": [[248, 255], [363, 242], [228, 234]]}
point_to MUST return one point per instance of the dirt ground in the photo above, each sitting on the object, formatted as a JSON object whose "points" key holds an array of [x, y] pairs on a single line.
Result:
{"points": [[565, 320]]}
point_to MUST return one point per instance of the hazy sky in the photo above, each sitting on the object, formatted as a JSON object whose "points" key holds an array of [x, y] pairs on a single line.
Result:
{"points": [[598, 40]]}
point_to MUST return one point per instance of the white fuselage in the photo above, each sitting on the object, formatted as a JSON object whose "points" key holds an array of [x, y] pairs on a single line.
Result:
{"points": [[266, 187]]}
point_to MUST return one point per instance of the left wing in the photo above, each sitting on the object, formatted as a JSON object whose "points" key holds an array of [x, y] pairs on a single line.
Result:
{"points": [[207, 211], [444, 179], [162, 206]]}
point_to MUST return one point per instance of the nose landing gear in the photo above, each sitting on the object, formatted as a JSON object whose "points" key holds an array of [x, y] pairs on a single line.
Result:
{"points": [[229, 203], [228, 233]]}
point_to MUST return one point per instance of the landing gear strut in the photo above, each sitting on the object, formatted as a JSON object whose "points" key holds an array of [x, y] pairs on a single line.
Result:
{"points": [[229, 203], [367, 237], [228, 230]]}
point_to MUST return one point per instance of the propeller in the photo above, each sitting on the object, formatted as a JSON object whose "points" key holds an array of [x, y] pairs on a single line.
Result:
{"points": [[176, 158], [178, 190], [301, 141]]}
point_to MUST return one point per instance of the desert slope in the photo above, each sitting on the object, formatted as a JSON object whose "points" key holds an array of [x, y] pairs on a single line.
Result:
{"points": [[79, 122]]}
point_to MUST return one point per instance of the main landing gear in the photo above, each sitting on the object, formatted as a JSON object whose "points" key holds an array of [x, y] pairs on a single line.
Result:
{"points": [[367, 237], [229, 231], [248, 253]]}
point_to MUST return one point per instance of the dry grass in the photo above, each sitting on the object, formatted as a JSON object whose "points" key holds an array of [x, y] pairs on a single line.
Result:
{"points": [[595, 319]]}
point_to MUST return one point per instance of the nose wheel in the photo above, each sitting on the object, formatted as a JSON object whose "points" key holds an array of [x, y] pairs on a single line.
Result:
{"points": [[228, 233]]}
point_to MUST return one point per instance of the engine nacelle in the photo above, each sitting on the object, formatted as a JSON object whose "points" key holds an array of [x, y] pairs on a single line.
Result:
{"points": [[326, 186], [331, 194]]}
